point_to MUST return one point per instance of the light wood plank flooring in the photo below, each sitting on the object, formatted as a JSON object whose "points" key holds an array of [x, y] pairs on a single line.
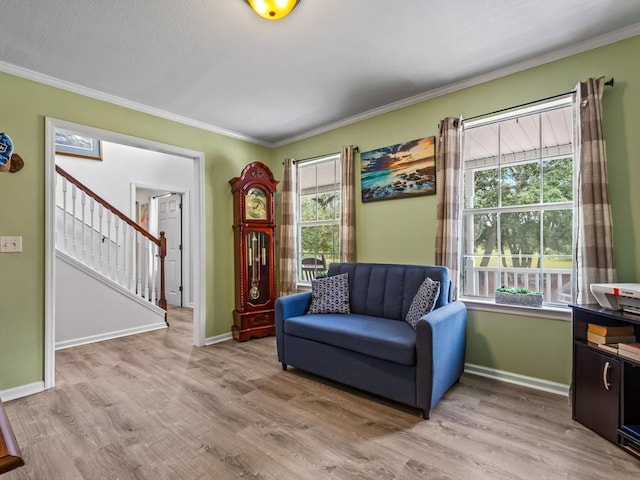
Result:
{"points": [[154, 407]]}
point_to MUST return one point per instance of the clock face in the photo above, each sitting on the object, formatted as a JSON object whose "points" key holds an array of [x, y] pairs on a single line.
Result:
{"points": [[256, 205]]}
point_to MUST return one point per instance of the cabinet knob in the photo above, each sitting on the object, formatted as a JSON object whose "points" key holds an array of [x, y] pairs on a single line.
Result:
{"points": [[605, 375]]}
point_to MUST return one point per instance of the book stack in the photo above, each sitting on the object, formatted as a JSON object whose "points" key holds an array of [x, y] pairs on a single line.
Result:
{"points": [[629, 350], [609, 337]]}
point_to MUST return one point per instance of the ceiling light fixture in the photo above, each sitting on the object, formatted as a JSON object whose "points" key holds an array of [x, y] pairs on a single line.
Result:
{"points": [[273, 9]]}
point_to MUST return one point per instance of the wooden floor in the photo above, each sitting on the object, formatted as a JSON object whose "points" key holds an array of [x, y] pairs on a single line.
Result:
{"points": [[152, 406]]}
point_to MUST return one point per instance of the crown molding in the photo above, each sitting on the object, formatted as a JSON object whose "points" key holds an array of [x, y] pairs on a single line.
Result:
{"points": [[123, 102], [577, 48]]}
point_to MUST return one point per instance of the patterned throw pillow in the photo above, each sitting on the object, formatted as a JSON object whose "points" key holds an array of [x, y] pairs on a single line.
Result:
{"points": [[423, 302], [330, 295]]}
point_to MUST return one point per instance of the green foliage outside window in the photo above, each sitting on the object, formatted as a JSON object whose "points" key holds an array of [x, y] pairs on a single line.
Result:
{"points": [[526, 187], [319, 232]]}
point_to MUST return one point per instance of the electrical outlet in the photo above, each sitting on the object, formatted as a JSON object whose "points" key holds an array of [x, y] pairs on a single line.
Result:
{"points": [[10, 244]]}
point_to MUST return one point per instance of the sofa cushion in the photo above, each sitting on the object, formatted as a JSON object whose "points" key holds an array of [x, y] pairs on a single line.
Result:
{"points": [[423, 302], [382, 338], [383, 290], [330, 295]]}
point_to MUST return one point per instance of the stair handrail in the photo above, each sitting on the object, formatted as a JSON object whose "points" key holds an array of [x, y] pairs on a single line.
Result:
{"points": [[160, 242]]}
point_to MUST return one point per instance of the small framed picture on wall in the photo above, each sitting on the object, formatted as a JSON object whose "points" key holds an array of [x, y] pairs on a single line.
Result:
{"points": [[74, 145]]}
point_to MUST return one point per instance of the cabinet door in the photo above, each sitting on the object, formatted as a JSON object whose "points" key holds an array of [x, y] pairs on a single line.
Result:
{"points": [[597, 392]]}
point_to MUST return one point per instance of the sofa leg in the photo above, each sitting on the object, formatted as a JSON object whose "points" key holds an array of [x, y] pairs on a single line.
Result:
{"points": [[284, 366], [425, 414]]}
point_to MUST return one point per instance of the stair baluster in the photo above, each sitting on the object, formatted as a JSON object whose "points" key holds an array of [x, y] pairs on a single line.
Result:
{"points": [[132, 279], [101, 239], [116, 247], [64, 215], [73, 218], [83, 201], [109, 244], [92, 206], [146, 251]]}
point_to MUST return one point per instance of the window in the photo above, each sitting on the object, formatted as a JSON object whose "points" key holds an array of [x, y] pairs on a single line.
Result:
{"points": [[518, 208], [318, 219]]}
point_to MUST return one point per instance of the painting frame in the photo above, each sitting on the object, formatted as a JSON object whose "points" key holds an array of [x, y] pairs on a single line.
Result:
{"points": [[74, 145], [403, 170]]}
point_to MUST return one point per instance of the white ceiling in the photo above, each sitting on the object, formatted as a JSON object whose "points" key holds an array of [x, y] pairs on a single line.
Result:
{"points": [[216, 64]]}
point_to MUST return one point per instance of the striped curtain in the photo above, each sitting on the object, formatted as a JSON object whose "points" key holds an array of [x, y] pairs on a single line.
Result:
{"points": [[448, 181], [594, 245], [288, 254], [347, 207]]}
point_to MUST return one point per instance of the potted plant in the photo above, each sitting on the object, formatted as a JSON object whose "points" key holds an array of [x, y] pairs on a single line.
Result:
{"points": [[518, 296]]}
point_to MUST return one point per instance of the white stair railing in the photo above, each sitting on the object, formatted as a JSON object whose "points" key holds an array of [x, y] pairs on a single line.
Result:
{"points": [[117, 247]]}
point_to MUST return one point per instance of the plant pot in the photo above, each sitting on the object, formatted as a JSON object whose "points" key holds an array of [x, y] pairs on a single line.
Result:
{"points": [[520, 299]]}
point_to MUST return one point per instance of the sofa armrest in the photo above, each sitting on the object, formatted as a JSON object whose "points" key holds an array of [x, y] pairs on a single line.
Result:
{"points": [[440, 351], [287, 307]]}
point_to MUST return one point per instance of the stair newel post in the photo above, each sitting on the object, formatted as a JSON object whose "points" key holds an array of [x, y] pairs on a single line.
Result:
{"points": [[147, 269], [162, 302]]}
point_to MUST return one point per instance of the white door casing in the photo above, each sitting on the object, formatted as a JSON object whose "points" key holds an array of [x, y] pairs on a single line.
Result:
{"points": [[196, 222]]}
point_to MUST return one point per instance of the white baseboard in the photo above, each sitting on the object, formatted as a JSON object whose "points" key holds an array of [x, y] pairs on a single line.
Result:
{"points": [[74, 342], [21, 391], [218, 338], [517, 379]]}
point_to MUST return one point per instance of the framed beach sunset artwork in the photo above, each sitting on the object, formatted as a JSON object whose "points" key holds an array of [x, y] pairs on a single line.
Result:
{"points": [[399, 171]]}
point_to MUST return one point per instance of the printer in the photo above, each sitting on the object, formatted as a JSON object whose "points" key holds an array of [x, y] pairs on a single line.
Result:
{"points": [[618, 296]]}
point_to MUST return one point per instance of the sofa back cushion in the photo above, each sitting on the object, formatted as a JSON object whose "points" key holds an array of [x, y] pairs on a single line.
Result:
{"points": [[387, 290]]}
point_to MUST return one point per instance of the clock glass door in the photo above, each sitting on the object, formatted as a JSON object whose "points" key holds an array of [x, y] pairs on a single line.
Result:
{"points": [[258, 267]]}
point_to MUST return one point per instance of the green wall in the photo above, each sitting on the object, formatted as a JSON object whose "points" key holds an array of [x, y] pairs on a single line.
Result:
{"points": [[392, 231], [403, 230], [23, 107]]}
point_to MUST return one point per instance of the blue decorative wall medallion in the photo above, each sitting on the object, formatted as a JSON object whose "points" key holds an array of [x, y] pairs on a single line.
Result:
{"points": [[6, 149]]}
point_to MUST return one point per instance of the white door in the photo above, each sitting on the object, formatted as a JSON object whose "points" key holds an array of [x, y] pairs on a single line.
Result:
{"points": [[170, 222]]}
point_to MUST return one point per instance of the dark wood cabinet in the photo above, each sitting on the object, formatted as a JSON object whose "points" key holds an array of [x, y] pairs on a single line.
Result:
{"points": [[606, 386], [254, 240], [597, 392]]}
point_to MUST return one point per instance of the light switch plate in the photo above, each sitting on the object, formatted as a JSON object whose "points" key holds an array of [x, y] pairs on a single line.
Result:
{"points": [[10, 244]]}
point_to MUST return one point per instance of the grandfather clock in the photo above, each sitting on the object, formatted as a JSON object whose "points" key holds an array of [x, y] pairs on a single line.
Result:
{"points": [[255, 257]]}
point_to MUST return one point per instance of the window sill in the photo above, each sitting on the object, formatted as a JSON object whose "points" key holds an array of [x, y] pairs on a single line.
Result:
{"points": [[546, 312]]}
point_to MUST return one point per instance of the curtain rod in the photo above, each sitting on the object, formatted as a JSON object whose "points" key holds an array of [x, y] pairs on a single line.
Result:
{"points": [[608, 83], [355, 149]]}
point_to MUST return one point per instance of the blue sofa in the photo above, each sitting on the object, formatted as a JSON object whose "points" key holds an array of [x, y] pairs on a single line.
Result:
{"points": [[372, 348]]}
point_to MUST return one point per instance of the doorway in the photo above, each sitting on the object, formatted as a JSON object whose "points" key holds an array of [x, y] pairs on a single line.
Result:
{"points": [[161, 209], [196, 241]]}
